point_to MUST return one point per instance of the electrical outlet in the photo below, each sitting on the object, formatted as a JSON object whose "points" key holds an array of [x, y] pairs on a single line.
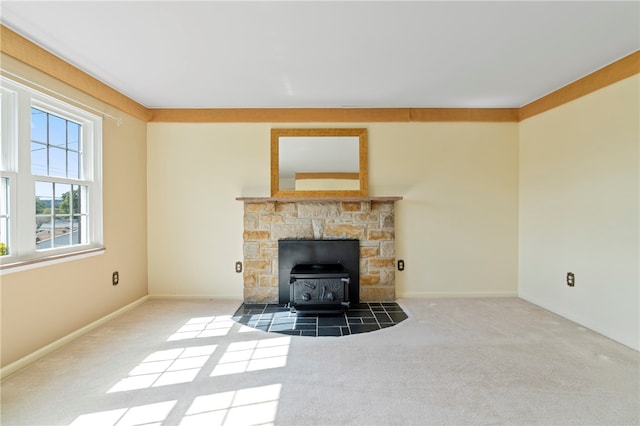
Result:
{"points": [[115, 278], [571, 279], [238, 267], [400, 265]]}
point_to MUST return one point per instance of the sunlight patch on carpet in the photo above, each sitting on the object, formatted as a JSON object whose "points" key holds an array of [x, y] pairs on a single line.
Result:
{"points": [[150, 414], [203, 327], [250, 406], [168, 367], [253, 355]]}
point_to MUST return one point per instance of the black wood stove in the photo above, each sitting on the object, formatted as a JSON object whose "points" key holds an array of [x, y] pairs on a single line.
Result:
{"points": [[318, 276], [319, 288]]}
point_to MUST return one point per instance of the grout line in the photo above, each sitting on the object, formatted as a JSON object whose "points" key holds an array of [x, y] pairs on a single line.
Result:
{"points": [[346, 318], [270, 320], [374, 315], [317, 320], [387, 314]]}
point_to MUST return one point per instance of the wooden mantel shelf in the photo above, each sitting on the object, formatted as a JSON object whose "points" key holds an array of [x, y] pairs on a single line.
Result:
{"points": [[314, 199]]}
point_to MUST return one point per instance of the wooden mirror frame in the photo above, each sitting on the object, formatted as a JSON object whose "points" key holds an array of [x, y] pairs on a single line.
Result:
{"points": [[275, 163]]}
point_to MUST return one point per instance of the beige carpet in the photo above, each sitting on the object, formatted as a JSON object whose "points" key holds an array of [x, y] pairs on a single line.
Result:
{"points": [[453, 362]]}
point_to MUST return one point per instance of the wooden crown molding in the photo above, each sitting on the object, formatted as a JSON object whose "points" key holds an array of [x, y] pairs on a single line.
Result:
{"points": [[279, 115], [16, 46], [331, 115], [617, 71]]}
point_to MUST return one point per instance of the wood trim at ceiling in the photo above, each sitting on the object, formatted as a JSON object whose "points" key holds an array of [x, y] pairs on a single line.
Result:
{"points": [[16, 46], [464, 114], [279, 115], [619, 70], [331, 115]]}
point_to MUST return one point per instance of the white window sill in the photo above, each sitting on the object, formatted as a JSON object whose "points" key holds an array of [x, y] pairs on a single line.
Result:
{"points": [[24, 265]]}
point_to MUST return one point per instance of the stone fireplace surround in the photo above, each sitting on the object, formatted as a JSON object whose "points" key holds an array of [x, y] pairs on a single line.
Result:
{"points": [[370, 220]]}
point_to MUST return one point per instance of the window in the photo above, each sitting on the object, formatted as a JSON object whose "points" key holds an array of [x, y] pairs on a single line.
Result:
{"points": [[50, 187], [4, 216]]}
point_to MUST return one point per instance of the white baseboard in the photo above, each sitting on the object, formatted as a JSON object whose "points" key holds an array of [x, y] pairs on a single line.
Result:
{"points": [[443, 295], [46, 350], [195, 297], [608, 332]]}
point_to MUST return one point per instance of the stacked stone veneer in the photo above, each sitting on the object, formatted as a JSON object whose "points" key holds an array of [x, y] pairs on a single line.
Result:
{"points": [[371, 222]]}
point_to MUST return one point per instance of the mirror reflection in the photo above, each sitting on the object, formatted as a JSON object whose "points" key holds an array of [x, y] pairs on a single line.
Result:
{"points": [[318, 162], [310, 163]]}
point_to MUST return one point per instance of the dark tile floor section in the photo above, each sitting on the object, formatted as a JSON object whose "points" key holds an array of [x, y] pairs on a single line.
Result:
{"points": [[360, 318]]}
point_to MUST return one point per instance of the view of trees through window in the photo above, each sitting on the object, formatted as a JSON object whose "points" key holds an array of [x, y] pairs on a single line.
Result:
{"points": [[50, 177], [59, 204], [59, 219]]}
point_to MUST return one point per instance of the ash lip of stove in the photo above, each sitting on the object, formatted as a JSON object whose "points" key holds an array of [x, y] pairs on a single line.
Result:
{"points": [[319, 288]]}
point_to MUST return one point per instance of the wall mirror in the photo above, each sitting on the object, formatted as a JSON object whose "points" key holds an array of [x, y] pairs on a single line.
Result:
{"points": [[319, 163]]}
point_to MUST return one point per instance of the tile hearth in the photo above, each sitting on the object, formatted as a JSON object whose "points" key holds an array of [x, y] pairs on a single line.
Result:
{"points": [[360, 318]]}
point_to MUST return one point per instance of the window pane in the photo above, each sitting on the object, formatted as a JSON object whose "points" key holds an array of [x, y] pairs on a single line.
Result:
{"points": [[56, 145], [73, 138], [4, 216], [78, 199], [57, 162], [61, 215], [62, 231], [4, 234], [81, 218], [44, 214], [62, 224], [38, 125], [44, 232], [80, 235], [4, 192], [44, 193], [62, 197], [73, 165], [57, 131], [38, 159]]}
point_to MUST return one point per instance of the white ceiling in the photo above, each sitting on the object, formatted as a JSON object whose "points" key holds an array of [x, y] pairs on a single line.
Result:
{"points": [[215, 54]]}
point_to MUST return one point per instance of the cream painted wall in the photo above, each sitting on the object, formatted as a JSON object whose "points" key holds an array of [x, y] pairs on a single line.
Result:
{"points": [[42, 305], [456, 227], [579, 210], [195, 172]]}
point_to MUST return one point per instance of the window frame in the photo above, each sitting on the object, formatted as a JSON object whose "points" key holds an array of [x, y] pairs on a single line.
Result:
{"points": [[15, 128]]}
